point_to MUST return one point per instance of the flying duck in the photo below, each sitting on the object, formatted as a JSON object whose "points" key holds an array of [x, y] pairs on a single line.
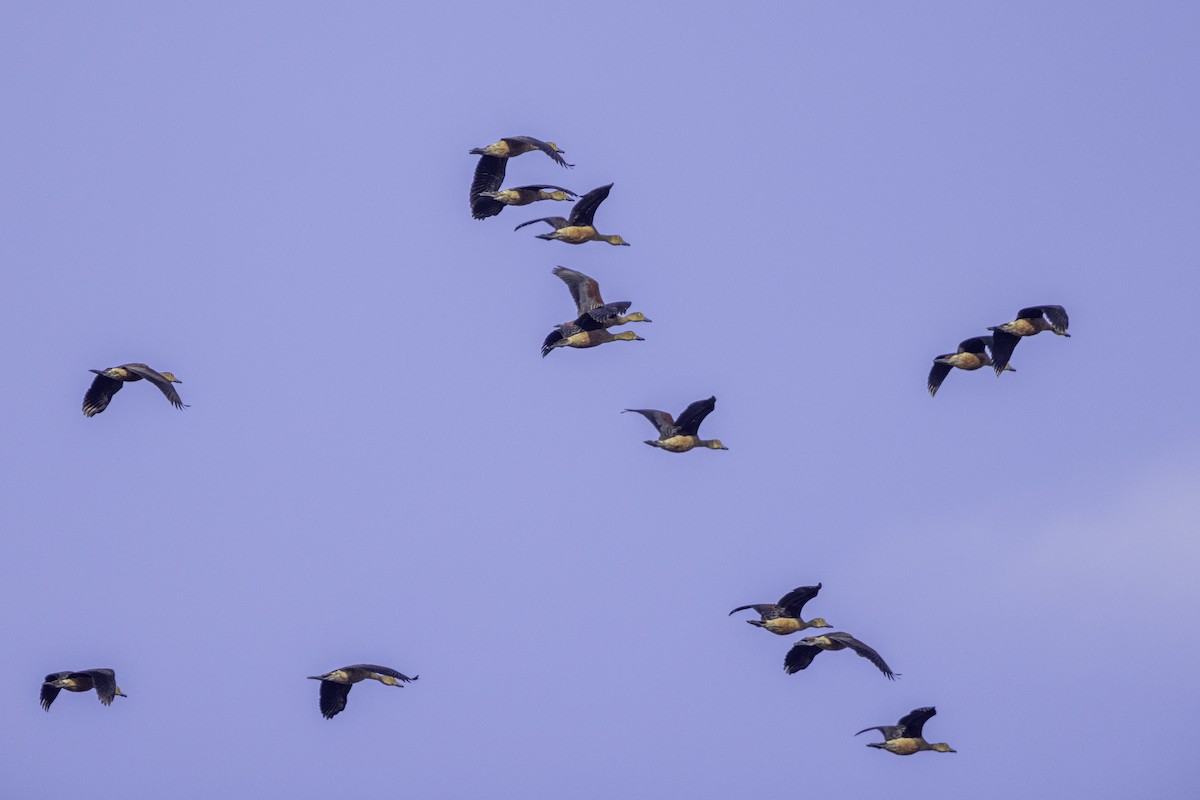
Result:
{"points": [[805, 650], [904, 738], [971, 355], [681, 436], [109, 381], [104, 681], [513, 146], [783, 618], [336, 685], [585, 291], [488, 199], [1029, 322], [578, 228]]}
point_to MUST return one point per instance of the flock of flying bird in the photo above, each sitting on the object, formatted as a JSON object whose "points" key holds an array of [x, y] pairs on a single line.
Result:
{"points": [[590, 328]]}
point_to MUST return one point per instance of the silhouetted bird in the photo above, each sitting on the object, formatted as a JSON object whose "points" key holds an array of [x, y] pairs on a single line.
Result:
{"points": [[104, 681], [109, 381], [805, 650], [578, 228], [971, 355], [783, 618], [904, 738], [681, 436], [1029, 322], [335, 686]]}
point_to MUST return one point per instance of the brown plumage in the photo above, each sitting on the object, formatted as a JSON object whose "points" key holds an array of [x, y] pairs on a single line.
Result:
{"points": [[972, 354], [1029, 322], [578, 227], [907, 736], [783, 618], [335, 686], [804, 651], [109, 381], [585, 291], [681, 436], [104, 681]]}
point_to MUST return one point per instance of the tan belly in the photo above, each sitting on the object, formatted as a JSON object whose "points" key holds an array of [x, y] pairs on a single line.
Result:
{"points": [[678, 444], [575, 234], [783, 625], [967, 361], [581, 339], [903, 747]]}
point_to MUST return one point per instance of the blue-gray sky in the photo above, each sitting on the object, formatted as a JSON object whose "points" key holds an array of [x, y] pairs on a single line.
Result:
{"points": [[270, 200]]}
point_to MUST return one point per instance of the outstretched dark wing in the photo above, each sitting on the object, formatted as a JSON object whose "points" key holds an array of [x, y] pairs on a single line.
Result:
{"points": [[104, 681], [551, 340], [159, 380], [937, 374], [659, 419], [583, 211], [764, 610], [864, 651], [51, 692], [799, 657], [1057, 317], [584, 290], [974, 345], [99, 395], [541, 187], [912, 723], [489, 174], [333, 698], [889, 731], [385, 671], [689, 421], [1003, 345], [601, 316], [554, 222], [543, 146], [793, 602]]}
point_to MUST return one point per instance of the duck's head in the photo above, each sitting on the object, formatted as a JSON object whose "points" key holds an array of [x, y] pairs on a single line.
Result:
{"points": [[715, 444], [555, 147], [942, 747], [819, 622], [637, 316], [171, 377], [628, 336], [617, 240], [559, 194]]}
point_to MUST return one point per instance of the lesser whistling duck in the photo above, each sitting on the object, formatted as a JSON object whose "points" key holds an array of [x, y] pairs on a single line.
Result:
{"points": [[488, 199], [1029, 322], [904, 738], [585, 291], [681, 436], [335, 686], [972, 354], [808, 648], [578, 228], [513, 146], [104, 681], [590, 330], [109, 381], [783, 618]]}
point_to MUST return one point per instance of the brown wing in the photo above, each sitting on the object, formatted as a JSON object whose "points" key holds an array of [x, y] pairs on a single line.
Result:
{"points": [[584, 210], [543, 146], [554, 222], [164, 385], [584, 290], [864, 651], [764, 610], [659, 419]]}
